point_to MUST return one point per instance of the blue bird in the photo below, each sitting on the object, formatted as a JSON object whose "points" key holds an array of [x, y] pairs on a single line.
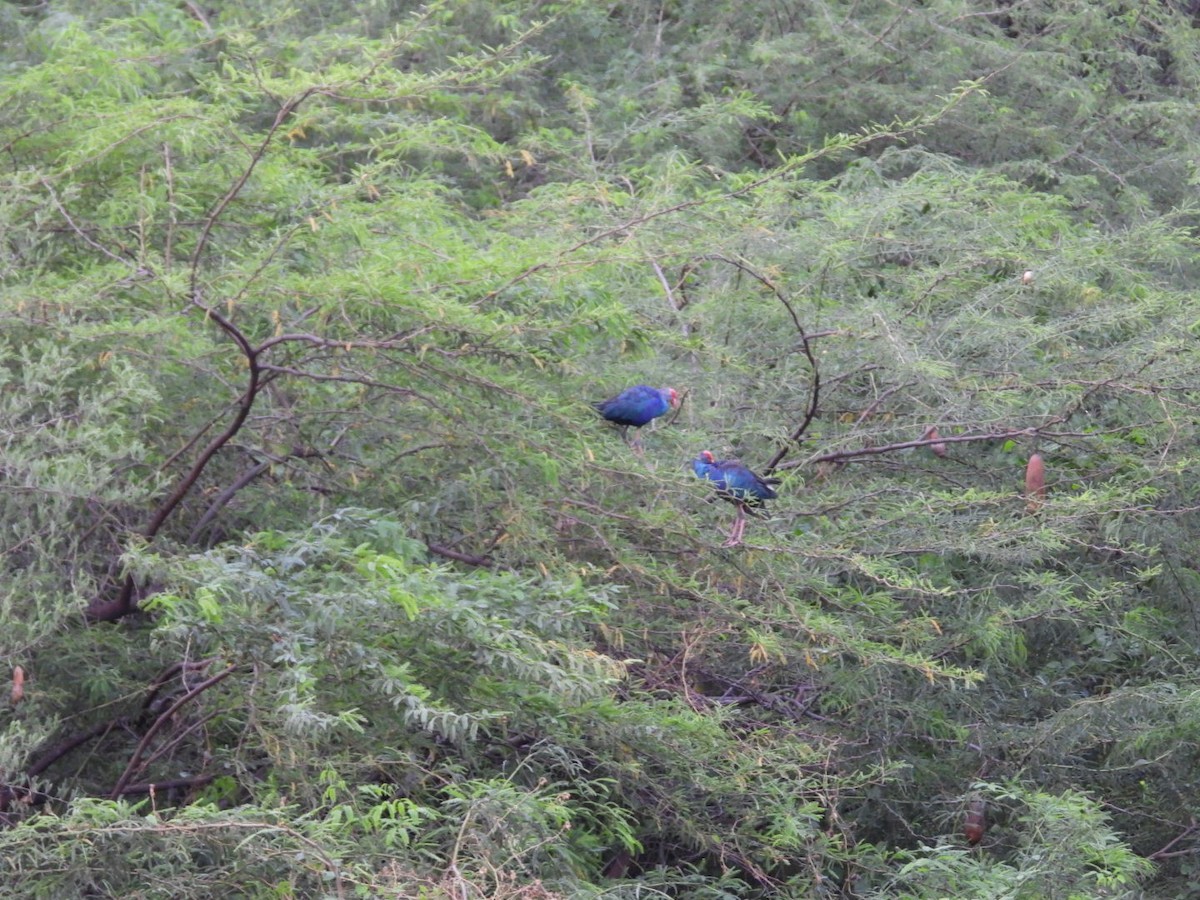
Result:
{"points": [[635, 406], [737, 484]]}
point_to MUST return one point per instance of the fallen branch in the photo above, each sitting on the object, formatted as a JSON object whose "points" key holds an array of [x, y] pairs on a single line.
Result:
{"points": [[457, 555], [168, 785]]}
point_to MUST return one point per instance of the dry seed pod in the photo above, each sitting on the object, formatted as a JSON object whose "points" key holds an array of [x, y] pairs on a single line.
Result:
{"points": [[1035, 483], [939, 449], [18, 685], [975, 823]]}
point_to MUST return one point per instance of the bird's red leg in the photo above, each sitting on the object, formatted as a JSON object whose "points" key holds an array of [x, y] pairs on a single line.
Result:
{"points": [[739, 526], [634, 443]]}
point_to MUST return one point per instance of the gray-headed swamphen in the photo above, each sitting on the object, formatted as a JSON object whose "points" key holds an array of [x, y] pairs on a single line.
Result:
{"points": [[737, 484], [635, 406]]}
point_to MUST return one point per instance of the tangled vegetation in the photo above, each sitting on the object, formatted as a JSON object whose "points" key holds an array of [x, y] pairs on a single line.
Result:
{"points": [[323, 578]]}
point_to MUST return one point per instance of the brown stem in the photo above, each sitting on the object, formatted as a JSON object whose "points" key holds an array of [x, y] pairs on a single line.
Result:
{"points": [[244, 406], [9, 792], [167, 674], [878, 401], [159, 723], [122, 604], [810, 412], [458, 555], [225, 496], [177, 739], [66, 745], [218, 210]]}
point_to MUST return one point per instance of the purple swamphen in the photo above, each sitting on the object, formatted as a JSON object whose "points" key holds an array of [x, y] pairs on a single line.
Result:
{"points": [[738, 485], [635, 406]]}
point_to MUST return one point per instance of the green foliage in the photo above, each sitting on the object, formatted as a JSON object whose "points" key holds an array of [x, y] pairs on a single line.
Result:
{"points": [[321, 578], [1063, 848]]}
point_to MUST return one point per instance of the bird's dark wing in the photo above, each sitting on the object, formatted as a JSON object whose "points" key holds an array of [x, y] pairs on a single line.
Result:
{"points": [[744, 484], [634, 406]]}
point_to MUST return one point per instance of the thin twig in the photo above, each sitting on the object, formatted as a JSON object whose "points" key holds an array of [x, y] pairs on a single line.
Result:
{"points": [[841, 455], [79, 231]]}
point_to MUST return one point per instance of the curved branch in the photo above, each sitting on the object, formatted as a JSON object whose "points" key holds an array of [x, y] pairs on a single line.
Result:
{"points": [[123, 603], [66, 745], [814, 396], [761, 279], [245, 404], [10, 792]]}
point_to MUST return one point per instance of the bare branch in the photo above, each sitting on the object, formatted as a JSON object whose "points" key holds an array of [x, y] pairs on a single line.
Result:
{"points": [[843, 455], [66, 745], [1165, 851], [875, 404]]}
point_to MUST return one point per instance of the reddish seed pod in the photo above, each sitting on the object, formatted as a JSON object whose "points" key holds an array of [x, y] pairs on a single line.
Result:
{"points": [[938, 449], [1035, 483], [18, 685], [975, 823]]}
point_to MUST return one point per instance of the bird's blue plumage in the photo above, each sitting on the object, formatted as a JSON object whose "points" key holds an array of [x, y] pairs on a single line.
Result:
{"points": [[733, 480], [635, 406]]}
